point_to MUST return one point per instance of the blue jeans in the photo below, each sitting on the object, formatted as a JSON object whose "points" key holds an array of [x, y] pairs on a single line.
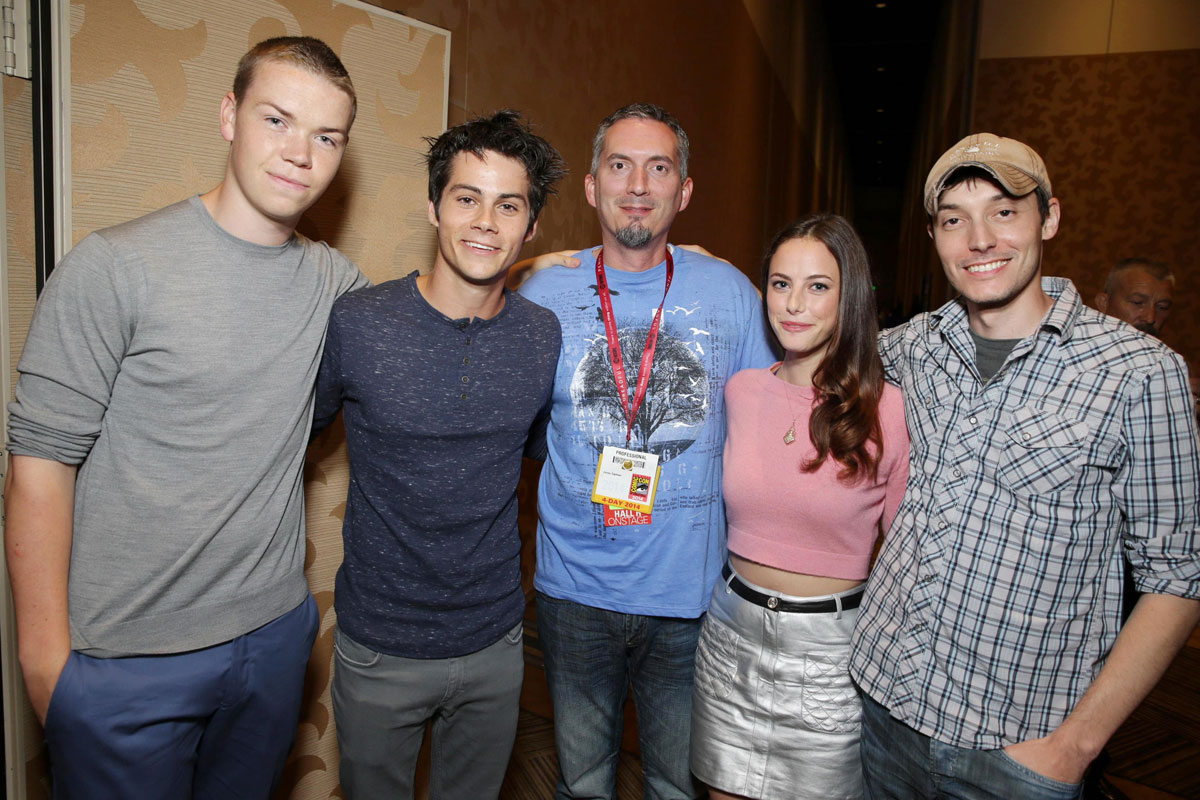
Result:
{"points": [[210, 723], [591, 656], [900, 763]]}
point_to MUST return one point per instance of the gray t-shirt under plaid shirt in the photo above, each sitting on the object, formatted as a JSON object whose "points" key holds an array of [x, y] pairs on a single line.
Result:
{"points": [[997, 595]]}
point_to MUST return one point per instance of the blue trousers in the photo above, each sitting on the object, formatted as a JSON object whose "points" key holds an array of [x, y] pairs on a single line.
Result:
{"points": [[212, 723], [592, 656], [900, 763]]}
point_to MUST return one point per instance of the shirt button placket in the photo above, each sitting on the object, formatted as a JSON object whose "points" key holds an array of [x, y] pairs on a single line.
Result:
{"points": [[466, 379]]}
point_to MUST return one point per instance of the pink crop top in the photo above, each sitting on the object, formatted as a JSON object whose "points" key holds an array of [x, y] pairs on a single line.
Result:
{"points": [[810, 523]]}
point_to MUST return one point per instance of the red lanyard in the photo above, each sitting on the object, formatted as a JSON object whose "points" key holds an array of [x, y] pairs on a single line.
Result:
{"points": [[614, 345]]}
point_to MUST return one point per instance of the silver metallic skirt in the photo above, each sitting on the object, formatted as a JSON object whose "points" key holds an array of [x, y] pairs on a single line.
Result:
{"points": [[774, 713]]}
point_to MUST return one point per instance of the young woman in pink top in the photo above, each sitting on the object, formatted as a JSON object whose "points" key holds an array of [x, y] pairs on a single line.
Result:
{"points": [[816, 459]]}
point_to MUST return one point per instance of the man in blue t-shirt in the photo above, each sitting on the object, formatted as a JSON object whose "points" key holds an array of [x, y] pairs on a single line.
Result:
{"points": [[628, 553], [441, 377]]}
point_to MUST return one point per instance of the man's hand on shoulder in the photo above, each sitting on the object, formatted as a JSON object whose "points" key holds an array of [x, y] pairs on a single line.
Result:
{"points": [[1051, 756], [695, 248], [523, 270], [526, 268]]}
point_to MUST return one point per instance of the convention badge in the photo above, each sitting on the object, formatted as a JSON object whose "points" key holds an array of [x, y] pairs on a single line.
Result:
{"points": [[626, 481], [614, 517]]}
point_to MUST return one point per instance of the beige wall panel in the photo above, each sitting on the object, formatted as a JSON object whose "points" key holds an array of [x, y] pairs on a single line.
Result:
{"points": [[1034, 28]]}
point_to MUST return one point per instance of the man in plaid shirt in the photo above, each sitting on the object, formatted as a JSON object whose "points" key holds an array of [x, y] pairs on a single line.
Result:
{"points": [[1049, 443]]}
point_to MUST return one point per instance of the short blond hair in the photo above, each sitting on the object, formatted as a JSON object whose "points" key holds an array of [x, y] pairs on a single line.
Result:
{"points": [[305, 52]]}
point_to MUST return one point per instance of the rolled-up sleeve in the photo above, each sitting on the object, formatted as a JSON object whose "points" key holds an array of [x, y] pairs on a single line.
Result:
{"points": [[82, 328], [1159, 489]]}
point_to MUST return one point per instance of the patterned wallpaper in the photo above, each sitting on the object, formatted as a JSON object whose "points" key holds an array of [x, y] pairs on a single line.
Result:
{"points": [[147, 77], [1118, 134]]}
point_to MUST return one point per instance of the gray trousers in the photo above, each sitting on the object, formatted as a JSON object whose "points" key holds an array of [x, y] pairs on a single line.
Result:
{"points": [[381, 704]]}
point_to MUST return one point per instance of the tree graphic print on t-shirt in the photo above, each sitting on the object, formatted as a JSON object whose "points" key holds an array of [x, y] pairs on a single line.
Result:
{"points": [[676, 401]]}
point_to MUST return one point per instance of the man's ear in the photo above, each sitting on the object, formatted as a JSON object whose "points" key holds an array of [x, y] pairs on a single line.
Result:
{"points": [[433, 214], [1050, 226], [532, 231], [686, 191], [929, 229], [589, 189], [1102, 302], [228, 116]]}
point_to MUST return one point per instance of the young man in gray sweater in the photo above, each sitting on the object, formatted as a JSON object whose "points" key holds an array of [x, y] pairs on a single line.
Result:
{"points": [[155, 531]]}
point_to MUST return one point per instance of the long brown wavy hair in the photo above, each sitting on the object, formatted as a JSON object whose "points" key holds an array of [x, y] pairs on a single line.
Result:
{"points": [[849, 380]]}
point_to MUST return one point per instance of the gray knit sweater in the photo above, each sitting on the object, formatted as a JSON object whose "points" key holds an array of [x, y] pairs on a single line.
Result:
{"points": [[175, 364]]}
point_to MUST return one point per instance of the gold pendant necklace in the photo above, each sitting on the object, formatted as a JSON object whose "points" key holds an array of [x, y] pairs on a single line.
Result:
{"points": [[790, 436]]}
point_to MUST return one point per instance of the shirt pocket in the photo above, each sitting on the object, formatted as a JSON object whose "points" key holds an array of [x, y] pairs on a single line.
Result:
{"points": [[1043, 452], [924, 390], [930, 402]]}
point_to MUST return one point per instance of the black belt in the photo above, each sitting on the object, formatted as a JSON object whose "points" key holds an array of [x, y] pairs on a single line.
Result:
{"points": [[773, 603]]}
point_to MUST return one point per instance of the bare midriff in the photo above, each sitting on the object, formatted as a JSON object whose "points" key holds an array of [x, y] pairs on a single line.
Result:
{"points": [[796, 584]]}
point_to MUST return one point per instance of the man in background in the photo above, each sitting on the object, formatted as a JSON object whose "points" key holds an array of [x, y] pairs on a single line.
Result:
{"points": [[155, 530], [1138, 291]]}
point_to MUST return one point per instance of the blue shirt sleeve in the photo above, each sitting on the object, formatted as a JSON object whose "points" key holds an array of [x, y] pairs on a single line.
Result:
{"points": [[758, 348]]}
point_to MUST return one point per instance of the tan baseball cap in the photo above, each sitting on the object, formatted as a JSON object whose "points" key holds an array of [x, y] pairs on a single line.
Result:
{"points": [[1014, 165]]}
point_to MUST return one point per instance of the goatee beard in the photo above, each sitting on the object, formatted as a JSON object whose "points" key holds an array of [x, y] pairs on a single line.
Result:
{"points": [[634, 236]]}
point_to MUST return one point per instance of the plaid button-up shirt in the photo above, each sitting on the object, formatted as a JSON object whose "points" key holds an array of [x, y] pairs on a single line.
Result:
{"points": [[997, 595]]}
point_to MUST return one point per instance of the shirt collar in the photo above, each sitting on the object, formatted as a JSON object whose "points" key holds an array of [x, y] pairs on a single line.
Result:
{"points": [[1061, 318]]}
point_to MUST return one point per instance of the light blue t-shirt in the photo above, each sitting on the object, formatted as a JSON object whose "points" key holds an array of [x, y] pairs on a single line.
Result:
{"points": [[712, 327]]}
